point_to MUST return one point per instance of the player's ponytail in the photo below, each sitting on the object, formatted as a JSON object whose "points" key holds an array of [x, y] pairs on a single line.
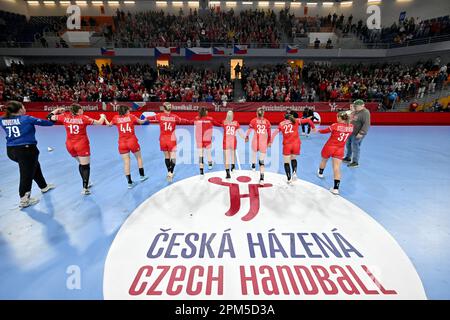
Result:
{"points": [[74, 108], [343, 115], [12, 107], [260, 112], [230, 115], [202, 112], [123, 110]]}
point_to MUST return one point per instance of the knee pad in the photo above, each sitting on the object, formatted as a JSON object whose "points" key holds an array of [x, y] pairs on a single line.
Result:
{"points": [[261, 162], [200, 160]]}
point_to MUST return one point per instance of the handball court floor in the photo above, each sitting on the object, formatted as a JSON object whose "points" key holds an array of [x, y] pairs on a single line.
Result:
{"points": [[403, 182]]}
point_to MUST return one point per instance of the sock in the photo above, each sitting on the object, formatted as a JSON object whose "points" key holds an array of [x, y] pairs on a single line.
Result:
{"points": [[85, 171], [141, 172], [172, 165], [233, 167], [167, 161], [294, 165], [287, 168], [129, 179], [321, 170], [228, 172], [253, 165], [201, 170], [337, 183], [261, 177]]}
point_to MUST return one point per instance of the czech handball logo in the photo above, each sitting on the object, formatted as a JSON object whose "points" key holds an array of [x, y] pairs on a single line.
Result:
{"points": [[233, 239], [236, 196]]}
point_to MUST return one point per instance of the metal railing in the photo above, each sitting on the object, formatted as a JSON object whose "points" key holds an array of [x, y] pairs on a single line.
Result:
{"points": [[337, 45]]}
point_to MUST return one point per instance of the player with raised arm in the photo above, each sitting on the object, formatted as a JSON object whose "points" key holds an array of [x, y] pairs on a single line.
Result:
{"points": [[77, 142], [335, 146], [291, 142], [203, 137], [167, 139], [128, 142]]}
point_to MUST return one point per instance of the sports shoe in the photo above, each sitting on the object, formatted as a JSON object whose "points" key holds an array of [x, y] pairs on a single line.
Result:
{"points": [[261, 182], [143, 178], [170, 177], [210, 166], [228, 177], [85, 192], [49, 187], [27, 201], [320, 175], [353, 165], [294, 176], [253, 168], [334, 191], [289, 182], [131, 185], [347, 160]]}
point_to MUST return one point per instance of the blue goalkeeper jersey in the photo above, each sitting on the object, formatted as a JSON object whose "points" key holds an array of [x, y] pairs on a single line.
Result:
{"points": [[20, 129]]}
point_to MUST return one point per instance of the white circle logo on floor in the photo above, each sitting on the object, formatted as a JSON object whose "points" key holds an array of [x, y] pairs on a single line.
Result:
{"points": [[213, 238]]}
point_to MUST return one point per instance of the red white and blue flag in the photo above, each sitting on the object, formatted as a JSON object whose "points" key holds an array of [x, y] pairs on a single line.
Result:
{"points": [[162, 53], [175, 50], [240, 49], [198, 54], [218, 50], [291, 49], [107, 52]]}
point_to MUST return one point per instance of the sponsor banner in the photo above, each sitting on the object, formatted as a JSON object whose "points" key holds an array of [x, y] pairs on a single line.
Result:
{"points": [[194, 106], [50, 106]]}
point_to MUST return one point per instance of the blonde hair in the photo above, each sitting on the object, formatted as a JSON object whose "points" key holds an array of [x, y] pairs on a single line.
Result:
{"points": [[230, 115]]}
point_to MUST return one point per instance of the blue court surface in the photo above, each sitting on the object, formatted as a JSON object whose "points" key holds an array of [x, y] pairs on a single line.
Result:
{"points": [[403, 183]]}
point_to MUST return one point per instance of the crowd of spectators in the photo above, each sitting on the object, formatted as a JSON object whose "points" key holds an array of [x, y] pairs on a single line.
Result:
{"points": [[157, 28], [399, 33], [131, 82], [388, 83]]}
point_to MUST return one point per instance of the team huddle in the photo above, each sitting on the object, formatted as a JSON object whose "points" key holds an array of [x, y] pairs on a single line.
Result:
{"points": [[20, 132]]}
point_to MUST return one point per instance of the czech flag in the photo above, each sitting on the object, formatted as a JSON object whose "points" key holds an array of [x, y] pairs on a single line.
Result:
{"points": [[218, 50], [240, 49], [175, 50], [108, 52], [162, 53], [291, 49], [198, 54]]}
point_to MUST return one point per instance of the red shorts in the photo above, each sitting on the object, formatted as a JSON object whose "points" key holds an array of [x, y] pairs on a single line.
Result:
{"points": [[291, 148], [78, 148], [260, 146], [333, 152], [167, 144], [129, 145], [204, 144]]}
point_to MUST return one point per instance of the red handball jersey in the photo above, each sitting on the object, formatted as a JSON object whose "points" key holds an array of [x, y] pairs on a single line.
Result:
{"points": [[262, 130], [167, 123], [289, 130], [229, 134], [339, 134], [203, 128], [75, 125], [125, 125]]}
